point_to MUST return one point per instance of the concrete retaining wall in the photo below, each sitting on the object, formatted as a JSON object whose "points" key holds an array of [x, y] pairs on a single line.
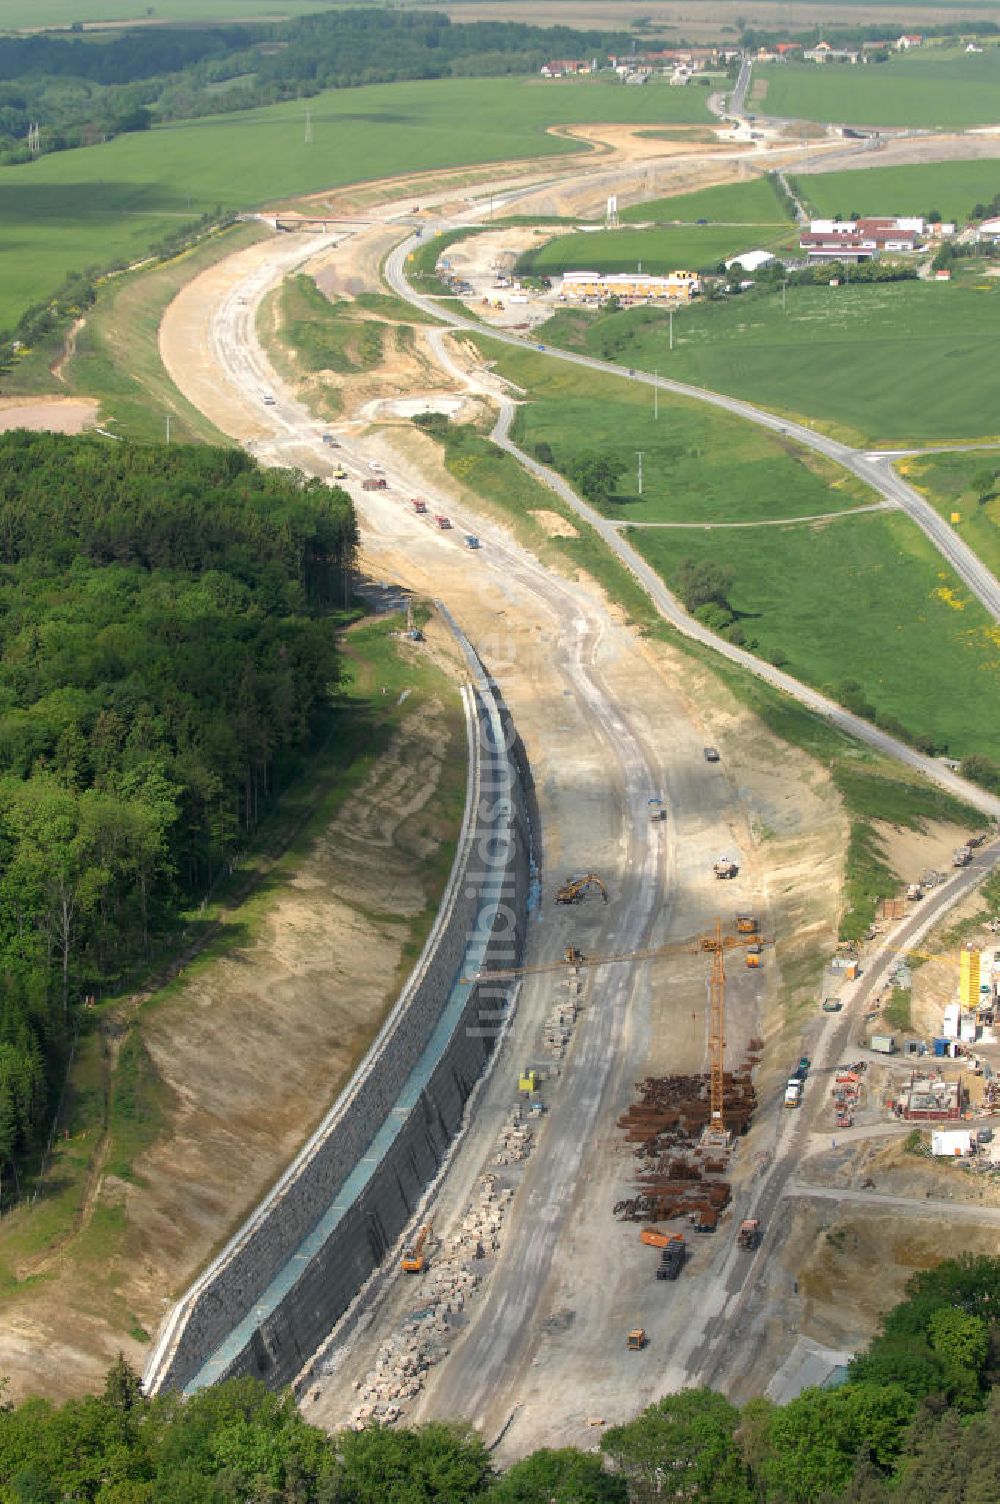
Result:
{"points": [[278, 1288]]}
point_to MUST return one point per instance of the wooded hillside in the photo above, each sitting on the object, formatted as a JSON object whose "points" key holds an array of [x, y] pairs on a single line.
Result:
{"points": [[167, 648]]}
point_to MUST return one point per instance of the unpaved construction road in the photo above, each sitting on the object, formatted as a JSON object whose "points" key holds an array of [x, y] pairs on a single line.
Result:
{"points": [[607, 721]]}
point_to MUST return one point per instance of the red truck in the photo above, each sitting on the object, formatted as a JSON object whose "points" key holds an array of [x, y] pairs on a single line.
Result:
{"points": [[443, 521], [375, 483], [418, 505]]}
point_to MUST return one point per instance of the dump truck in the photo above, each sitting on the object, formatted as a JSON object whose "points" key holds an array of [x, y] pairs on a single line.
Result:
{"points": [[419, 505], [443, 522], [754, 956], [636, 1339], [725, 867], [375, 484], [749, 1233], [657, 809], [414, 1258], [914, 891], [832, 1005], [962, 857], [793, 1092], [471, 541], [747, 924], [710, 754], [672, 1258]]}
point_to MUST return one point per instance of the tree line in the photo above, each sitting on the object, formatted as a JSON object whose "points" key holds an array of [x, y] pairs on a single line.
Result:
{"points": [[916, 1422], [167, 651], [83, 91]]}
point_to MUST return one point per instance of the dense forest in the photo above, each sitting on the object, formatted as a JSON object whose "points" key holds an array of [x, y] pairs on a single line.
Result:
{"points": [[917, 1422], [166, 651], [84, 89]]}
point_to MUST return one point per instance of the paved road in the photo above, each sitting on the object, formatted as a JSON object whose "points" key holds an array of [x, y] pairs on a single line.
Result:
{"points": [[738, 103], [666, 603], [874, 467], [953, 1211]]}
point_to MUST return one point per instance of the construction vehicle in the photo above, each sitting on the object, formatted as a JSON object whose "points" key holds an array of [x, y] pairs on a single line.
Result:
{"points": [[749, 1234], [414, 1259], [636, 1339], [801, 1071], [793, 1092], [914, 891], [754, 957], [442, 521], [381, 484], [710, 754], [832, 1005], [725, 868], [657, 809], [471, 541], [962, 857], [330, 441], [672, 1258], [340, 473], [747, 924], [419, 506], [575, 889]]}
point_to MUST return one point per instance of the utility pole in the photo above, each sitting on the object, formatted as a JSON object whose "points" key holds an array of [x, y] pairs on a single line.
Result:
{"points": [[670, 313], [639, 454], [783, 286], [168, 428], [656, 396]]}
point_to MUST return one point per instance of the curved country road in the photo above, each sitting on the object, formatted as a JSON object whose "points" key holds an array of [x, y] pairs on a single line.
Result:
{"points": [[873, 468]]}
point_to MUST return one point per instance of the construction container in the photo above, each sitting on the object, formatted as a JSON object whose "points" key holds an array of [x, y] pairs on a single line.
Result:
{"points": [[885, 1044], [940, 1047]]}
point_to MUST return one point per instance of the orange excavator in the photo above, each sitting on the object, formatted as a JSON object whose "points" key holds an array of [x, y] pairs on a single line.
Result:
{"points": [[414, 1258]]}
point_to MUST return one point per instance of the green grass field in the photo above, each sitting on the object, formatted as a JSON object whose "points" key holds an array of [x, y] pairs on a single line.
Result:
{"points": [[85, 208], [865, 600], [968, 483], [928, 87], [699, 465], [18, 14], [886, 363], [751, 203], [952, 188], [695, 248]]}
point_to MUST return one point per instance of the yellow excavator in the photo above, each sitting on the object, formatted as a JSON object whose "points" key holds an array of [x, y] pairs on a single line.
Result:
{"points": [[574, 889]]}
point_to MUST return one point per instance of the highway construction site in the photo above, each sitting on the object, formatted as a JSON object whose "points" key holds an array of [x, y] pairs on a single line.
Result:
{"points": [[633, 1104]]}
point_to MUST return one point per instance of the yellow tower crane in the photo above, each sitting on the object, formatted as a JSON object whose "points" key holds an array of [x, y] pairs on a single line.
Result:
{"points": [[715, 944]]}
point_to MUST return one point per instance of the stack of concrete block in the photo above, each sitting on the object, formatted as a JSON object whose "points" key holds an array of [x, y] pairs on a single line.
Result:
{"points": [[402, 1362], [515, 1140]]}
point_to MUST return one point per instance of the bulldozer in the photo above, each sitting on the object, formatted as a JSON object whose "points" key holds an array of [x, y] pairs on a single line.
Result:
{"points": [[414, 1258], [575, 889]]}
